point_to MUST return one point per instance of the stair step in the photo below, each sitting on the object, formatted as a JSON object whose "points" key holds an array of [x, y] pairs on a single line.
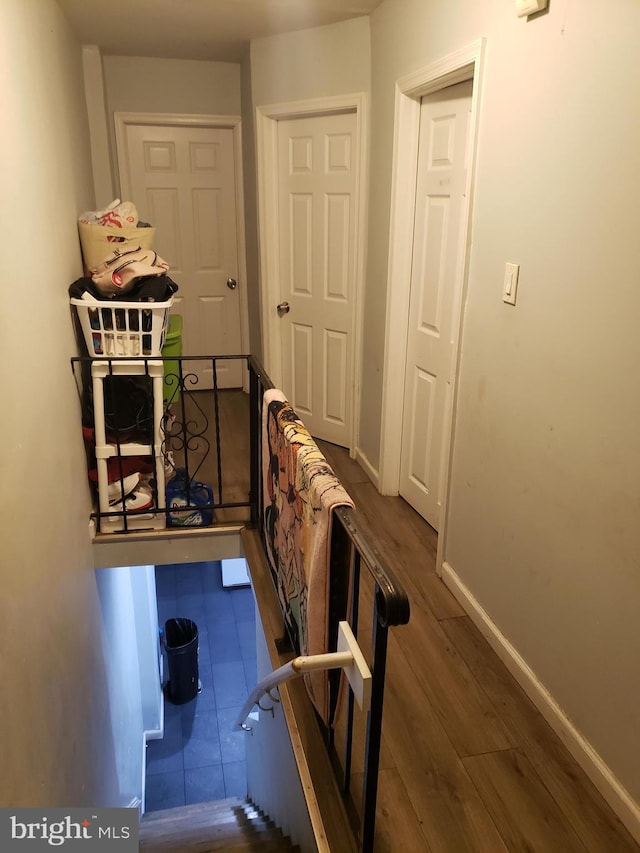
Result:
{"points": [[233, 825], [275, 842], [197, 809]]}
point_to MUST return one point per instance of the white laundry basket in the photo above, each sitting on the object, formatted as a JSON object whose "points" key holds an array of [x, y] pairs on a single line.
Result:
{"points": [[113, 329]]}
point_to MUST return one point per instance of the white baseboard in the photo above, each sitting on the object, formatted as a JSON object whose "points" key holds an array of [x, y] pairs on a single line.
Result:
{"points": [[600, 774], [143, 786], [371, 472], [153, 734]]}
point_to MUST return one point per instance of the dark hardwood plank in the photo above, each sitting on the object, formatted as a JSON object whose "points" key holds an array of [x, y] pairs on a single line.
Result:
{"points": [[358, 739], [525, 813], [410, 551], [397, 828], [350, 473], [451, 814], [464, 709], [587, 812], [197, 412], [403, 538]]}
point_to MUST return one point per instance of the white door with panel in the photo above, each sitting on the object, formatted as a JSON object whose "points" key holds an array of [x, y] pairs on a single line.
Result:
{"points": [[183, 181], [317, 210], [434, 309]]}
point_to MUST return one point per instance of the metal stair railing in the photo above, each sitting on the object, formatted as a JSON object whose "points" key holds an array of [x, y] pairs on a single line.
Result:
{"points": [[353, 554]]}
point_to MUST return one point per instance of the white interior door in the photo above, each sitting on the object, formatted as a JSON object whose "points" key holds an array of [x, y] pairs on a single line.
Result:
{"points": [[182, 180], [317, 209], [433, 306]]}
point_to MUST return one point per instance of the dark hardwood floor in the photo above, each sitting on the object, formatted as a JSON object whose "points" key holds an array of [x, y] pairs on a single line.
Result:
{"points": [[468, 763]]}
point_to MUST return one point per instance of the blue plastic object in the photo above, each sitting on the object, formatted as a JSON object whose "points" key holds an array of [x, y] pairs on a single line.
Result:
{"points": [[187, 502]]}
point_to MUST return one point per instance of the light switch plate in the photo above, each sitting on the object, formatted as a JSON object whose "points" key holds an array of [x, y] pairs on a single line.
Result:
{"points": [[511, 273]]}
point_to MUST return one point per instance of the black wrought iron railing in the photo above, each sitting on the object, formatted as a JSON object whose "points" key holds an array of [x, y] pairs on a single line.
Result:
{"points": [[199, 445], [355, 563], [172, 421]]}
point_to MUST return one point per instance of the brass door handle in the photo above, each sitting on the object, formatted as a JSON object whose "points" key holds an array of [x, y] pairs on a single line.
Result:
{"points": [[283, 308], [232, 283]]}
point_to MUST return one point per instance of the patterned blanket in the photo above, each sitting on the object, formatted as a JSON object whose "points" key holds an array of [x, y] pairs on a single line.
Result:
{"points": [[300, 492]]}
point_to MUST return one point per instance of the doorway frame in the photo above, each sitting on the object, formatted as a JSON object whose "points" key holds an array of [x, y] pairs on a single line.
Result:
{"points": [[218, 122], [458, 67], [267, 118]]}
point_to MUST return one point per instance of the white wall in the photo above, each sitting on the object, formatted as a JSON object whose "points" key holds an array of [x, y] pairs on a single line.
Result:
{"points": [[331, 60], [149, 85], [543, 523], [56, 743], [129, 620], [250, 208], [123, 676], [95, 97], [145, 84], [144, 629], [269, 745]]}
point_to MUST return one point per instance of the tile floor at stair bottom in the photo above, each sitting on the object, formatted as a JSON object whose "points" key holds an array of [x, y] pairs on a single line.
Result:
{"points": [[200, 758]]}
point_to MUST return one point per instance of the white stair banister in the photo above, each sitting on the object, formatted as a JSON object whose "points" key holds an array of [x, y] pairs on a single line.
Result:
{"points": [[348, 657]]}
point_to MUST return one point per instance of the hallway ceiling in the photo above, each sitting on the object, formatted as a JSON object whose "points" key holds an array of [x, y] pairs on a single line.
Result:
{"points": [[198, 29]]}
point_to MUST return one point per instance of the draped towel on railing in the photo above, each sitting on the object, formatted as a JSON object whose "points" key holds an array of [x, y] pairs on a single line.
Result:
{"points": [[300, 493]]}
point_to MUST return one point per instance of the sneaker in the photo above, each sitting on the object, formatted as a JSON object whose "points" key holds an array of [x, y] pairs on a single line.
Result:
{"points": [[142, 498], [128, 484]]}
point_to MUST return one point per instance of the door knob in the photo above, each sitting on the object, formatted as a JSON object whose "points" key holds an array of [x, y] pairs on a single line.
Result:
{"points": [[232, 283], [283, 308]]}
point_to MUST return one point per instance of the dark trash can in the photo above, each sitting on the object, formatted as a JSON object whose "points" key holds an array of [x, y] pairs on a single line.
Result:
{"points": [[181, 645]]}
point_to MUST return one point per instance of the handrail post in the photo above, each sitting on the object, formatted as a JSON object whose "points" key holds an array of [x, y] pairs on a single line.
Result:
{"points": [[254, 438], [374, 732]]}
